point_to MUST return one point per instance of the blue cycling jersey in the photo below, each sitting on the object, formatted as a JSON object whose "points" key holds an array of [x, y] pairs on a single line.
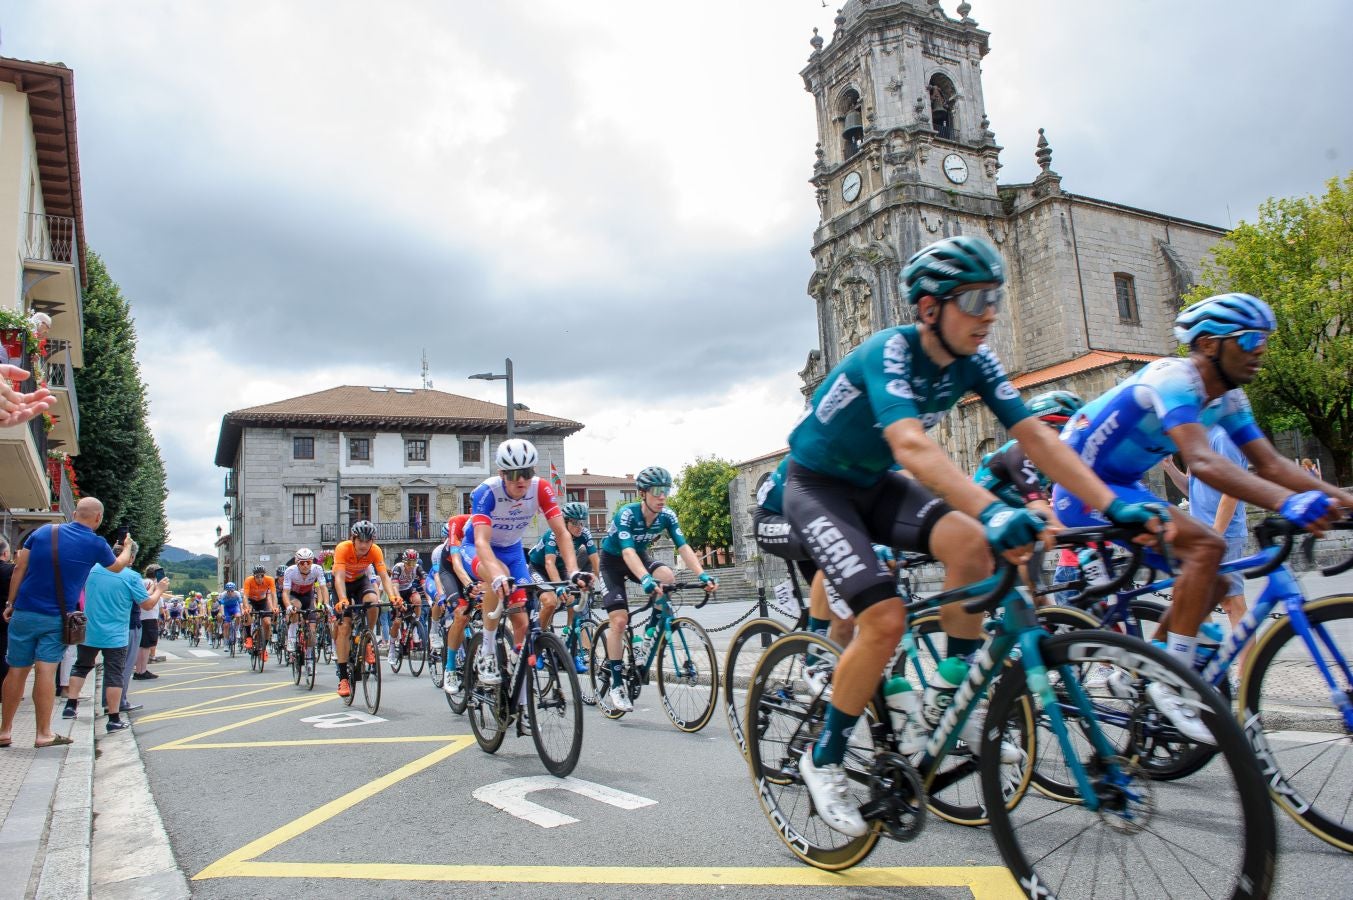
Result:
{"points": [[1122, 433]]}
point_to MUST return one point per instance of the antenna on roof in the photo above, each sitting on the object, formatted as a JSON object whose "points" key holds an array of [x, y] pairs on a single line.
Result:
{"points": [[427, 382]]}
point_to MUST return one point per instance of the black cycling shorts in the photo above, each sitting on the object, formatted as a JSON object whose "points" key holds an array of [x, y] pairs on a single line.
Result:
{"points": [[306, 600], [839, 523], [449, 585], [357, 589], [259, 607], [775, 536], [615, 573]]}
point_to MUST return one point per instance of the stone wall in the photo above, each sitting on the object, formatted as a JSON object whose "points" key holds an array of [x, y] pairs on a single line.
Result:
{"points": [[742, 500]]}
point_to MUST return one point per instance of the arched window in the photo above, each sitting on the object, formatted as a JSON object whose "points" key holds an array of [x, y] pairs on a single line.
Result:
{"points": [[943, 95], [852, 123]]}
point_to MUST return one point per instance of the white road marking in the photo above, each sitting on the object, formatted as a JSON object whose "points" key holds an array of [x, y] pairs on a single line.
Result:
{"points": [[342, 720], [198, 651], [510, 797], [167, 655]]}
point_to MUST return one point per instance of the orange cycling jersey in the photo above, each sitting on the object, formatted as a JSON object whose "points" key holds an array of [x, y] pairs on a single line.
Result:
{"points": [[253, 590], [353, 566]]}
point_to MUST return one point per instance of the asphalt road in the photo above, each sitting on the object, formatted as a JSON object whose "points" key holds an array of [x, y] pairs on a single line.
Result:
{"points": [[259, 802]]}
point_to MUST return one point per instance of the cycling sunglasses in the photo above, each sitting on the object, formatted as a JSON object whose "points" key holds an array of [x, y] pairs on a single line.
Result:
{"points": [[660, 490], [977, 301], [1250, 341], [518, 474]]}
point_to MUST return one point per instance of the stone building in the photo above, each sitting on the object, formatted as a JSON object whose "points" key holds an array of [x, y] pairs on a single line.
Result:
{"points": [[602, 494], [906, 155], [302, 470]]}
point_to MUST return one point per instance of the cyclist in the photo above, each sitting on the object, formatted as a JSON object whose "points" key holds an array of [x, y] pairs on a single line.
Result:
{"points": [[228, 609], [175, 613], [261, 592], [842, 494], [359, 576], [1167, 407], [408, 575], [501, 508], [303, 595], [460, 590], [544, 558], [193, 612], [624, 555]]}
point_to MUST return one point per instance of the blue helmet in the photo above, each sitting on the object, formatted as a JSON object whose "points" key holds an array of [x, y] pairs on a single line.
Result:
{"points": [[1222, 315], [230, 585]]}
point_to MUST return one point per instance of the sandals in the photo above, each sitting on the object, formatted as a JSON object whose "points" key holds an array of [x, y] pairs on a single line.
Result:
{"points": [[59, 740]]}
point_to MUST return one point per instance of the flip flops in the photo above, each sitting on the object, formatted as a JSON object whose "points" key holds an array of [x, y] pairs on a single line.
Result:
{"points": [[59, 740]]}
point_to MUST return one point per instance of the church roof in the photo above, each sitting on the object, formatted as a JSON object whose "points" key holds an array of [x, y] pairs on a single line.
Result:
{"points": [[1087, 362]]}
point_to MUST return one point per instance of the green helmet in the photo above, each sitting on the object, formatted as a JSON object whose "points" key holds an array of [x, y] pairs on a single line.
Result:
{"points": [[1055, 407], [575, 511], [951, 263], [653, 476]]}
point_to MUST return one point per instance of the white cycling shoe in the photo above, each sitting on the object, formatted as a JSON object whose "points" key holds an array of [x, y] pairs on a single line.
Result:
{"points": [[827, 786], [619, 699], [1181, 715], [486, 667]]}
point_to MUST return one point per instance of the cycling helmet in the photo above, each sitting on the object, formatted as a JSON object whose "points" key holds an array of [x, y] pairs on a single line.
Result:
{"points": [[446, 532], [949, 264], [575, 511], [515, 453], [259, 570], [362, 529], [305, 554], [1222, 315], [281, 570], [411, 554], [653, 476], [230, 586], [1055, 407]]}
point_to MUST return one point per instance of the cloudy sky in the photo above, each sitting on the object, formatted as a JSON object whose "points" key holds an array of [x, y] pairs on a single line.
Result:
{"points": [[301, 194]]}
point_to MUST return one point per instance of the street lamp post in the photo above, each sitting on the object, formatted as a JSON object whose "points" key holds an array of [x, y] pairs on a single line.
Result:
{"points": [[489, 376]]}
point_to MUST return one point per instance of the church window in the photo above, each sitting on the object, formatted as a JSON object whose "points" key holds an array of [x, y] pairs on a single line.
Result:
{"points": [[852, 124], [942, 97], [1126, 293]]}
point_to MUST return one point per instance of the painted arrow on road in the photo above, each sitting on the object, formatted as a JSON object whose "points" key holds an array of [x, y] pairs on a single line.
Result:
{"points": [[510, 797]]}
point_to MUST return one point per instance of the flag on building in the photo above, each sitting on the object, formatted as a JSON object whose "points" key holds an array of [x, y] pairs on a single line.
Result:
{"points": [[556, 482]]}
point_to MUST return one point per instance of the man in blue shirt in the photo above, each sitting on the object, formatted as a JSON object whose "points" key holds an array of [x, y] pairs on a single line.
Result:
{"points": [[34, 613]]}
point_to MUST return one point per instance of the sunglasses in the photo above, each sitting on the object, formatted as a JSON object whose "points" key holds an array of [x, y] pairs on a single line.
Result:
{"points": [[1250, 341], [977, 301], [660, 490], [518, 474]]}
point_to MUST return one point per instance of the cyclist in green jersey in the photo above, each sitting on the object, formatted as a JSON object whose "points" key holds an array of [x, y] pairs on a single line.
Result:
{"points": [[544, 562], [624, 556], [871, 413]]}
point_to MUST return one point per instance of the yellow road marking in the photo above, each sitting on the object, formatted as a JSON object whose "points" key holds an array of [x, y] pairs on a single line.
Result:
{"points": [[234, 707], [183, 709], [316, 742], [178, 685], [178, 744], [213, 687]]}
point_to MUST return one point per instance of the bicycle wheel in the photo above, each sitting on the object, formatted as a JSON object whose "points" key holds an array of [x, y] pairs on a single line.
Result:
{"points": [[556, 707], [486, 704], [783, 720], [744, 651], [601, 669], [1307, 754], [371, 675], [354, 671], [688, 675], [394, 655], [437, 654], [416, 648], [458, 697], [232, 643], [298, 662], [310, 666], [1209, 837], [581, 642]]}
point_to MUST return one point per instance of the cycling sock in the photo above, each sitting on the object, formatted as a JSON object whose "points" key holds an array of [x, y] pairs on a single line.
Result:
{"points": [[291, 632], [963, 647], [818, 626], [830, 748], [342, 670], [617, 672], [1182, 647], [490, 635]]}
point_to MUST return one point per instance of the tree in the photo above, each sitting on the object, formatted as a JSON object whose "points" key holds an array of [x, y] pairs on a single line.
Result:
{"points": [[1298, 257], [701, 502], [144, 508]]}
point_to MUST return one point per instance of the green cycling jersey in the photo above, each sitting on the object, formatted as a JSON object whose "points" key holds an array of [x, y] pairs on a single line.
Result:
{"points": [[629, 530]]}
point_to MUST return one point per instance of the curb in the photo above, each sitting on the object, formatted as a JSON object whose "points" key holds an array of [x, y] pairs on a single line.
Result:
{"points": [[65, 868]]}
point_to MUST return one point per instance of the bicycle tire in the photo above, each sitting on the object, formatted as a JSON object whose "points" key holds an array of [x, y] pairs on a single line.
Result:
{"points": [[417, 654], [298, 662], [484, 704], [459, 697], [1301, 707], [733, 712], [396, 660], [1160, 820], [436, 667], [310, 666], [354, 671], [689, 693], [782, 723], [556, 707], [582, 641], [371, 676], [600, 670]]}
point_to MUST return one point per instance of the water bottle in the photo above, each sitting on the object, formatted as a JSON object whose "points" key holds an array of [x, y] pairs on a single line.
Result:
{"points": [[1209, 642], [942, 687], [904, 710], [1092, 565], [643, 644]]}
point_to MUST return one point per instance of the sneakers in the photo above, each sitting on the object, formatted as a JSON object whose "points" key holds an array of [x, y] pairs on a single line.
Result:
{"points": [[344, 688], [1181, 715], [580, 664], [143, 676], [111, 726], [68, 712], [827, 786], [814, 679], [160, 658], [619, 699], [486, 667]]}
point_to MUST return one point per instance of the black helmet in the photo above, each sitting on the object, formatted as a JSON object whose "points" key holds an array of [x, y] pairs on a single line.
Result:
{"points": [[362, 529], [259, 570]]}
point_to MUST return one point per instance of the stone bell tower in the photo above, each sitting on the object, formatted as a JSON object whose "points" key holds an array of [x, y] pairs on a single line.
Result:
{"points": [[905, 156]]}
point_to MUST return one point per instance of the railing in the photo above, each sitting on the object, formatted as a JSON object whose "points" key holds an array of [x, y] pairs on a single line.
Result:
{"points": [[50, 238], [61, 375], [386, 532], [63, 498], [230, 490]]}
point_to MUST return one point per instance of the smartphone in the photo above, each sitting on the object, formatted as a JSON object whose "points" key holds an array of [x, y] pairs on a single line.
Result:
{"points": [[158, 574], [121, 534]]}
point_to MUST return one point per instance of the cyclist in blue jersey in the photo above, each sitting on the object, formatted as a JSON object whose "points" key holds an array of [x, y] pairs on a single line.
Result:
{"points": [[871, 413], [1168, 407]]}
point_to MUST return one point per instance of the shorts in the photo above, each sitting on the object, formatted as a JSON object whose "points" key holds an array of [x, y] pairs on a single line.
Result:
{"points": [[449, 585], [840, 522], [513, 559], [175, 614], [306, 600], [1073, 513], [229, 612], [615, 573], [776, 537], [114, 658], [259, 608], [1235, 549], [34, 636], [408, 595], [359, 588], [150, 633]]}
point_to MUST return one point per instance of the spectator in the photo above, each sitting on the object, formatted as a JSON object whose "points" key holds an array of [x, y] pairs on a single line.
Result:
{"points": [[109, 599], [133, 644], [6, 569], [34, 611], [1311, 468], [150, 637]]}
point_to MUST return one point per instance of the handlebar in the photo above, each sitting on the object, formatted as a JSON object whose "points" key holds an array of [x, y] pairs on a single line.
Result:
{"points": [[1087, 535], [989, 601], [1308, 549]]}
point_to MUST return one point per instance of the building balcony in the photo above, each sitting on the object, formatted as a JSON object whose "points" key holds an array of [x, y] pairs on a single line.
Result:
{"points": [[386, 533], [61, 381], [51, 277], [23, 465], [230, 489]]}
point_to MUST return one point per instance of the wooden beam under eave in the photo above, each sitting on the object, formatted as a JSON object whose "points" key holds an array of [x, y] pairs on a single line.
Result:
{"points": [[37, 112]]}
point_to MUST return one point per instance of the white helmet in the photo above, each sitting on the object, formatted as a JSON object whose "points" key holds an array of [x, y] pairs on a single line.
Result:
{"points": [[515, 453], [304, 554]]}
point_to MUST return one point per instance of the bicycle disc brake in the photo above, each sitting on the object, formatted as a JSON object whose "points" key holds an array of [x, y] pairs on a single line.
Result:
{"points": [[1127, 801], [896, 797]]}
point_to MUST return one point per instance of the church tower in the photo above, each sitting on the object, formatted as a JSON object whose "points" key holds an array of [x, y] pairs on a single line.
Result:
{"points": [[905, 156]]}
